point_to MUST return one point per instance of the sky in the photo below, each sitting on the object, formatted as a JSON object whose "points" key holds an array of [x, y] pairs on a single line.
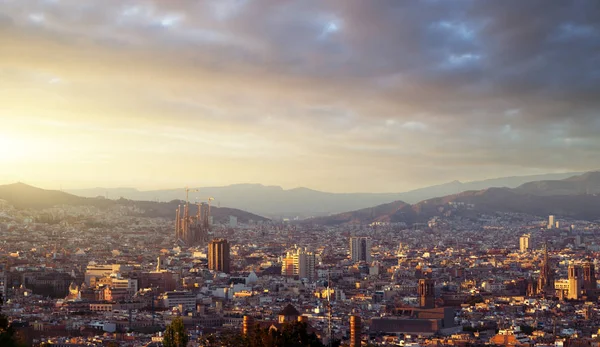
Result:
{"points": [[336, 95]]}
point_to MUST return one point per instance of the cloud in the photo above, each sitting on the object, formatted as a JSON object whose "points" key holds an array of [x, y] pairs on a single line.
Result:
{"points": [[440, 86]]}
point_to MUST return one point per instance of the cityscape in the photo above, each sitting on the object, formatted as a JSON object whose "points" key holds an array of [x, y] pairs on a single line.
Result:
{"points": [[337, 173]]}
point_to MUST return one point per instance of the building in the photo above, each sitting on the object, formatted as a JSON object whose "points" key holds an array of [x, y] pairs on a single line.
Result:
{"points": [[301, 263], [525, 243], [125, 283], [355, 331], [551, 222], [426, 291], [417, 321], [589, 276], [546, 281], [575, 282], [186, 300], [192, 230], [360, 249], [94, 272], [218, 255], [289, 314]]}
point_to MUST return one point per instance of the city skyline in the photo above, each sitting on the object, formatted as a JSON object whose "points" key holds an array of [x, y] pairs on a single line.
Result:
{"points": [[342, 96]]}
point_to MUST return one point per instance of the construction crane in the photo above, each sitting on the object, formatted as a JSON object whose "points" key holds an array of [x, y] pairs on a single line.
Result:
{"points": [[187, 193]]}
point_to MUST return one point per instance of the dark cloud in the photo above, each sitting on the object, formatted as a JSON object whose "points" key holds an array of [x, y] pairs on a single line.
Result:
{"points": [[506, 82]]}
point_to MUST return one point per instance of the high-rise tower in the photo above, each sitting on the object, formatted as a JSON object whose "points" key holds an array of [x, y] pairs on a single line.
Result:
{"points": [[355, 331], [575, 282], [218, 255], [525, 243], [360, 249], [589, 276]]}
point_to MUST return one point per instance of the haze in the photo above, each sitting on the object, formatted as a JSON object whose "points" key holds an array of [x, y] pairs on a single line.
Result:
{"points": [[336, 95]]}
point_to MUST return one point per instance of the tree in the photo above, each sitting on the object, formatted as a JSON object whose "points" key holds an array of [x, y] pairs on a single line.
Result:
{"points": [[176, 335], [7, 333]]}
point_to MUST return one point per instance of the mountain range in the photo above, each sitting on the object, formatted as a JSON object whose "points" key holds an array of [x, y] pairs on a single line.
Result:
{"points": [[575, 197], [274, 201], [23, 196]]}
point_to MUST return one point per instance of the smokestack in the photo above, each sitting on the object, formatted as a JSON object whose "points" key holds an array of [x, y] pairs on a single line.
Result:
{"points": [[355, 331]]}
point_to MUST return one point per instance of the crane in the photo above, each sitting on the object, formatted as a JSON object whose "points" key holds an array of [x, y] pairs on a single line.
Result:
{"points": [[187, 193]]}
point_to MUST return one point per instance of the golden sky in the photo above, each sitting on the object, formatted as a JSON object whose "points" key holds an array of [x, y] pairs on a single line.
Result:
{"points": [[336, 96]]}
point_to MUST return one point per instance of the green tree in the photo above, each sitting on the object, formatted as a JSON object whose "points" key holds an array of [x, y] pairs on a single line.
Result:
{"points": [[176, 335]]}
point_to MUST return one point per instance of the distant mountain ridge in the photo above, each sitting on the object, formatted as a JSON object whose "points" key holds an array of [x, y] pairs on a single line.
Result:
{"points": [[574, 197], [23, 196], [274, 201]]}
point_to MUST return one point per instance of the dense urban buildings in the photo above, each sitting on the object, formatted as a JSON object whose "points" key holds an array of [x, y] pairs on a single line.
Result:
{"points": [[459, 278]]}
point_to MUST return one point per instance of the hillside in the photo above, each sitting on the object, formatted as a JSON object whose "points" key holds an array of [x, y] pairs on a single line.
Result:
{"points": [[386, 213], [23, 196], [274, 201], [565, 198], [588, 183]]}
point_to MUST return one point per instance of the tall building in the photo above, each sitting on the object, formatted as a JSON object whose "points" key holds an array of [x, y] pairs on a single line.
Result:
{"points": [[426, 291], [589, 276], [360, 248], [306, 265], [355, 331], [551, 222], [575, 282], [218, 255], [525, 243], [299, 262]]}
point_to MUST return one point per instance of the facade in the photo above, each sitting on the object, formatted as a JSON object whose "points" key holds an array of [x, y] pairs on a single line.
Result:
{"points": [[360, 249], [525, 243], [426, 291], [551, 222], [192, 230], [546, 281], [187, 300], [355, 331], [94, 272], [589, 276], [575, 282], [125, 283], [218, 255], [300, 263]]}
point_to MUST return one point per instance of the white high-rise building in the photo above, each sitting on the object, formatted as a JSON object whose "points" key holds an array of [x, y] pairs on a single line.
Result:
{"points": [[360, 248], [300, 262], [233, 221], [525, 243]]}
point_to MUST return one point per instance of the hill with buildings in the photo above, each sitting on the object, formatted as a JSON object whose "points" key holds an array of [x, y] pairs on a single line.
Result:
{"points": [[274, 201], [23, 196], [575, 197]]}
